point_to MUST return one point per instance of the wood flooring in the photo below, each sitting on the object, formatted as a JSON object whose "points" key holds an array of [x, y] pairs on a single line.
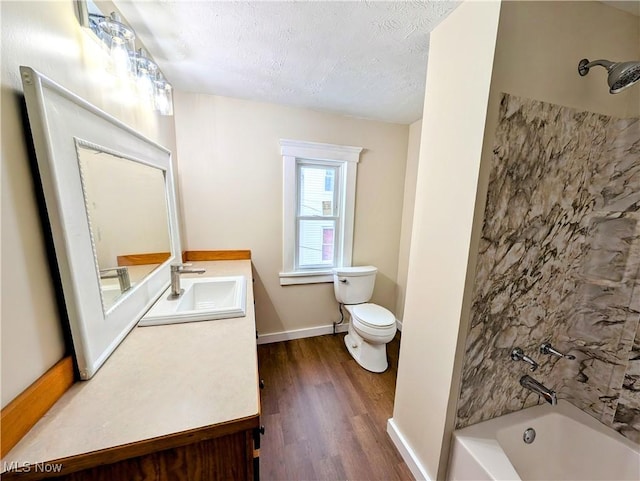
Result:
{"points": [[325, 417]]}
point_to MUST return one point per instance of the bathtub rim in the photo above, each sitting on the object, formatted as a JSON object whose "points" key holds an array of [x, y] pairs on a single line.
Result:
{"points": [[480, 440]]}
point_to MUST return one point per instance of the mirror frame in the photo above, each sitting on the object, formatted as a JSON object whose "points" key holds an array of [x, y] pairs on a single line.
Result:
{"points": [[58, 118]]}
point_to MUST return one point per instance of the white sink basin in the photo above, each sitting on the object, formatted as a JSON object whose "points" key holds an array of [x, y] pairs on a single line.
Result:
{"points": [[203, 299]]}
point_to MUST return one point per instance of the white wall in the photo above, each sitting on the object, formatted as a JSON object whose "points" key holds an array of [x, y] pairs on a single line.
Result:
{"points": [[537, 49], [47, 37], [408, 203], [230, 174], [457, 90]]}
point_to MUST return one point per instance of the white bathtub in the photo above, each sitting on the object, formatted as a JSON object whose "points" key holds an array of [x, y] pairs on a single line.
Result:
{"points": [[569, 445]]}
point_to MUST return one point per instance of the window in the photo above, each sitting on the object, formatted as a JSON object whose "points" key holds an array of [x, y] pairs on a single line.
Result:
{"points": [[319, 200]]}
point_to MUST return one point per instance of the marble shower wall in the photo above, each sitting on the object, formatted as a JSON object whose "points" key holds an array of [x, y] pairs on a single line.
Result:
{"points": [[558, 261]]}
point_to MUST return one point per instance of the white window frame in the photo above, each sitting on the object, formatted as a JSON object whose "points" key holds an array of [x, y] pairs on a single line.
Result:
{"points": [[345, 158]]}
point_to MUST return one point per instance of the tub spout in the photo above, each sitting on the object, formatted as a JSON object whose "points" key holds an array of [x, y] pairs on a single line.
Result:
{"points": [[548, 394]]}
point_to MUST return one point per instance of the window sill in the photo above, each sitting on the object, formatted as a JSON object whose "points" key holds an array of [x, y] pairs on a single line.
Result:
{"points": [[305, 277]]}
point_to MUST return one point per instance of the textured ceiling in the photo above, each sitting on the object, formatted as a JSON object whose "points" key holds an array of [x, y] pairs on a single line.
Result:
{"points": [[363, 59]]}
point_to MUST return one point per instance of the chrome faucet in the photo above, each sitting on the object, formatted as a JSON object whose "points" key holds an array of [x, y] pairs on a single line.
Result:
{"points": [[121, 273], [548, 394], [518, 355], [176, 270], [547, 348]]}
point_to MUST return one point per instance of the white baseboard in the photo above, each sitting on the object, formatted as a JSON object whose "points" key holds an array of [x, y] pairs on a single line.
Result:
{"points": [[300, 333], [307, 332], [408, 455]]}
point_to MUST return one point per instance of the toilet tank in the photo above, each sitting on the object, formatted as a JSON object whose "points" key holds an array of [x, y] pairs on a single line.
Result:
{"points": [[354, 285]]}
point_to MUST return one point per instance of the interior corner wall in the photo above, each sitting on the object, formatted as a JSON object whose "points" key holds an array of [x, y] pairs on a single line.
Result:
{"points": [[455, 109], [408, 205], [230, 174], [46, 36]]}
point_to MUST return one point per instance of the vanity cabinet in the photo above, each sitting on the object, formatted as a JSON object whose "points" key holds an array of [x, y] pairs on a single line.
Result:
{"points": [[227, 457], [173, 402], [224, 452]]}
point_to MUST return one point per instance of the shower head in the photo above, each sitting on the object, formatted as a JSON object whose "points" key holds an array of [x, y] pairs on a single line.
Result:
{"points": [[621, 74]]}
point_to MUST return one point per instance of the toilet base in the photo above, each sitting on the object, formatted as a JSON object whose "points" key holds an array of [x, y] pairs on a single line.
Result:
{"points": [[372, 357]]}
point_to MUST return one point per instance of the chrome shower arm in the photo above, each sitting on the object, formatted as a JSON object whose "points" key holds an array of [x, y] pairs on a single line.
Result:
{"points": [[585, 65], [621, 75]]}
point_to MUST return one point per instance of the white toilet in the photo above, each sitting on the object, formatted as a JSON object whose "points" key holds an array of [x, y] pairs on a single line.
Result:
{"points": [[371, 326]]}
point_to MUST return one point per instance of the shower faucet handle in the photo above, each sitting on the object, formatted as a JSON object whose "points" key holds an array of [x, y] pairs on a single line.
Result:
{"points": [[547, 348], [518, 355]]}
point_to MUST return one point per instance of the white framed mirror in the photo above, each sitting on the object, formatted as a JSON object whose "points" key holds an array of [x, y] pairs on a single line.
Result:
{"points": [[99, 177]]}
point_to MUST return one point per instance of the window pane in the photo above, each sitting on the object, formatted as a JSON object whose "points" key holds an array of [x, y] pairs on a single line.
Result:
{"points": [[329, 177], [327, 243], [316, 243], [316, 193]]}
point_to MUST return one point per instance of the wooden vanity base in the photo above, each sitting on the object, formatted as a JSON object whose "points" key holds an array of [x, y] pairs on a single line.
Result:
{"points": [[224, 458], [222, 452]]}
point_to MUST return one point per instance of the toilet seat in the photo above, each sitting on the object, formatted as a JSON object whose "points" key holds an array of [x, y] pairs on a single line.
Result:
{"points": [[373, 316]]}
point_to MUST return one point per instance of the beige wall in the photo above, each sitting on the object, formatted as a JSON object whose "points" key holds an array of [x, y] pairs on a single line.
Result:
{"points": [[408, 203], [450, 150], [541, 43], [230, 173], [47, 37], [538, 47]]}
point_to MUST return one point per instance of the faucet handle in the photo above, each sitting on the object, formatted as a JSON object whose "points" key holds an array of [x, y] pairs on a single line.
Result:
{"points": [[121, 273], [547, 348], [178, 267], [518, 355], [111, 269]]}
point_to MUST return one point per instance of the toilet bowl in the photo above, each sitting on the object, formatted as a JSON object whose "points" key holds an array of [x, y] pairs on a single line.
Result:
{"points": [[368, 335], [371, 326]]}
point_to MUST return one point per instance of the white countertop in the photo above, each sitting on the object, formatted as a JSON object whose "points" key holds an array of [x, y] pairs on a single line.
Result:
{"points": [[161, 380]]}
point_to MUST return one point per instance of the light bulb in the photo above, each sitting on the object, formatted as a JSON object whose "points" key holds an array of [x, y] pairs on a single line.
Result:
{"points": [[169, 94], [160, 98], [145, 85], [163, 98], [120, 57]]}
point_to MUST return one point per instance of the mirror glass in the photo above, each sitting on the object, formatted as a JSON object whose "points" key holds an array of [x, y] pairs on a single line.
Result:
{"points": [[128, 216], [110, 204]]}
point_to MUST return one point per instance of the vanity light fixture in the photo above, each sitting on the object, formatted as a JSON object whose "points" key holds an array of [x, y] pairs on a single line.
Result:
{"points": [[163, 98], [120, 40], [127, 62], [146, 73]]}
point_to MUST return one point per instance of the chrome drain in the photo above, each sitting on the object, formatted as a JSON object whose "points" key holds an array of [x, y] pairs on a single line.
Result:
{"points": [[529, 435]]}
